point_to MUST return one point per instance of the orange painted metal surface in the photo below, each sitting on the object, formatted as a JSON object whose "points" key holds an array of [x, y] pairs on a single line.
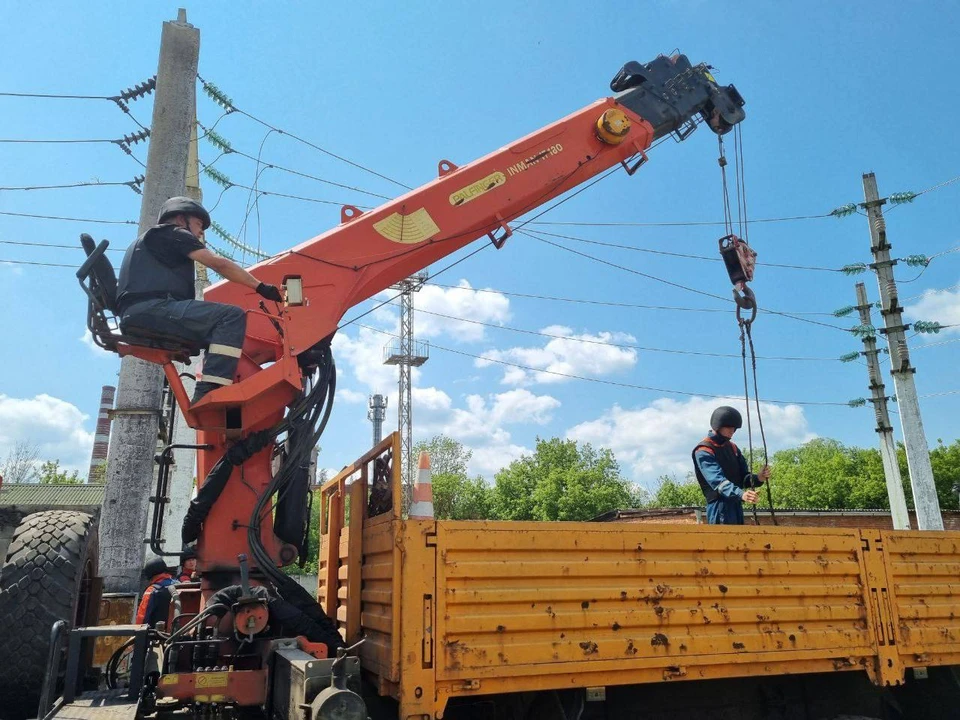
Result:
{"points": [[474, 608], [367, 252], [244, 687]]}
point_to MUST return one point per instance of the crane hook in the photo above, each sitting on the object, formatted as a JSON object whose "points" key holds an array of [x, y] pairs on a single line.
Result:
{"points": [[746, 301]]}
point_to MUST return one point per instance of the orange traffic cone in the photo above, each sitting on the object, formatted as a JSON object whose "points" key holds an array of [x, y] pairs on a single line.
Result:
{"points": [[421, 502]]}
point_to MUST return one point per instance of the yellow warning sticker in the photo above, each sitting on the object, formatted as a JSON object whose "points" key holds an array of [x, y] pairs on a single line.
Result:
{"points": [[170, 679], [212, 680], [410, 229], [475, 190]]}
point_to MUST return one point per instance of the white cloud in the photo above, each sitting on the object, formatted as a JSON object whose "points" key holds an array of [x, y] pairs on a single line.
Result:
{"points": [[459, 302], [87, 340], [11, 268], [567, 354], [351, 396], [362, 356], [53, 425], [941, 306], [462, 302], [657, 439], [480, 425]]}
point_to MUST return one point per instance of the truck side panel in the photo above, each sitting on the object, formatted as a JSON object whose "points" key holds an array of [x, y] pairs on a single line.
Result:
{"points": [[923, 583], [524, 605]]}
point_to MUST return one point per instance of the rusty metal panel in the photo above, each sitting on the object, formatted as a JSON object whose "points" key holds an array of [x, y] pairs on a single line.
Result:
{"points": [[923, 575], [528, 605]]}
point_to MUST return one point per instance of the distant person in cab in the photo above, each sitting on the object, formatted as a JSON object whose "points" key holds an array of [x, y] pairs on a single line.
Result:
{"points": [[722, 471], [155, 291], [188, 565]]}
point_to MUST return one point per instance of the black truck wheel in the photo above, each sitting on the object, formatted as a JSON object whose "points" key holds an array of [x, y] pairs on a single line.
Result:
{"points": [[46, 577]]}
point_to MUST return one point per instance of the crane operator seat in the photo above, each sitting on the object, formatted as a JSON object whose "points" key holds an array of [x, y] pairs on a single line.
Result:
{"points": [[99, 281]]}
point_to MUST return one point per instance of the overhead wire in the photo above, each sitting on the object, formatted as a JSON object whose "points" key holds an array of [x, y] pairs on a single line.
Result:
{"points": [[670, 253], [218, 96], [90, 183], [678, 285], [71, 219], [593, 379], [625, 346], [274, 166], [607, 303]]}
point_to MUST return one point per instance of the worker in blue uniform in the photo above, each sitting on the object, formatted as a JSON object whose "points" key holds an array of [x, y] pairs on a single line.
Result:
{"points": [[722, 471], [155, 291]]}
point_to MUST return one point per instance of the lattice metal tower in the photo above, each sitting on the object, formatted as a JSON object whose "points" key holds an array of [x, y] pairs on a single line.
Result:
{"points": [[406, 352], [376, 415]]}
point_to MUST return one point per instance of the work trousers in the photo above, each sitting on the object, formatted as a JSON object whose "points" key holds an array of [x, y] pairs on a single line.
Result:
{"points": [[218, 327]]}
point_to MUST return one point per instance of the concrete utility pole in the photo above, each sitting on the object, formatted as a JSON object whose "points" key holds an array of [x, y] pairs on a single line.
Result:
{"points": [[888, 447], [133, 442], [407, 353], [376, 414], [918, 454], [184, 470]]}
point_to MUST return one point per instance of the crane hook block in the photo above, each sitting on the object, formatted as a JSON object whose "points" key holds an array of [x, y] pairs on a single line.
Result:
{"points": [[739, 258]]}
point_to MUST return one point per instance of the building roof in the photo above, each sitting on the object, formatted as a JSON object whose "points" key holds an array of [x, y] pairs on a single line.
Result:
{"points": [[51, 495], [626, 514]]}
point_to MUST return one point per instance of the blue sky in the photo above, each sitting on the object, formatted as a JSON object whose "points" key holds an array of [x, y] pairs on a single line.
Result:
{"points": [[832, 90]]}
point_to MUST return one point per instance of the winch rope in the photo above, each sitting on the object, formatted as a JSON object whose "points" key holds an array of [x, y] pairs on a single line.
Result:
{"points": [[747, 302]]}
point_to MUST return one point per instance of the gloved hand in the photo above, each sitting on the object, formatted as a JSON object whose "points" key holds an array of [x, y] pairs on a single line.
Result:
{"points": [[270, 292]]}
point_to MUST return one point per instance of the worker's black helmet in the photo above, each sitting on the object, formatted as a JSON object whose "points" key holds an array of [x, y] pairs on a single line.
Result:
{"points": [[187, 553], [183, 206], [154, 567], [726, 416]]}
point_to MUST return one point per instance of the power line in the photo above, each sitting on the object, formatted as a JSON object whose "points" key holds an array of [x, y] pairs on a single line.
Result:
{"points": [[678, 285], [58, 97], [226, 183], [28, 262], [606, 303], [682, 223], [228, 149], [597, 380], [940, 394], [132, 184], [625, 346], [939, 185], [668, 253], [221, 99], [930, 290], [51, 245], [72, 219], [56, 142]]}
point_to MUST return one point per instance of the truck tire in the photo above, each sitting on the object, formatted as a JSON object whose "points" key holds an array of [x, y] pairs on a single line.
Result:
{"points": [[46, 577]]}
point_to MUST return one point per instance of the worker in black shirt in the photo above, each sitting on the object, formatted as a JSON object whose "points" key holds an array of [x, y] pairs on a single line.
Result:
{"points": [[155, 291]]}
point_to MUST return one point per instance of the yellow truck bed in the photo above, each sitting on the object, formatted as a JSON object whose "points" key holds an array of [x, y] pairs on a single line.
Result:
{"points": [[476, 608]]}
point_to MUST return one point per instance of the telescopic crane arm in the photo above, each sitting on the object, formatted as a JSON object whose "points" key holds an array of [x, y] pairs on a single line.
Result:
{"points": [[370, 251]]}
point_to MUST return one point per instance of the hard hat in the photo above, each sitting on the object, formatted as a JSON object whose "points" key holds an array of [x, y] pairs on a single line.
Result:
{"points": [[183, 206], [187, 553], [725, 416], [154, 567]]}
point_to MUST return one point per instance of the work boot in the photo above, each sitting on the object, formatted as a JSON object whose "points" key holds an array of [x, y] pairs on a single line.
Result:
{"points": [[201, 389]]}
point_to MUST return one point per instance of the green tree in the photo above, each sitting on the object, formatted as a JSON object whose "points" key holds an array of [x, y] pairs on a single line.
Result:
{"points": [[673, 493], [562, 480], [456, 496], [945, 460], [51, 474]]}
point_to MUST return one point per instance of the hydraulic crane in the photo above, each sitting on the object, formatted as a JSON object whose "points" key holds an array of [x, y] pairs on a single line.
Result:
{"points": [[255, 436]]}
